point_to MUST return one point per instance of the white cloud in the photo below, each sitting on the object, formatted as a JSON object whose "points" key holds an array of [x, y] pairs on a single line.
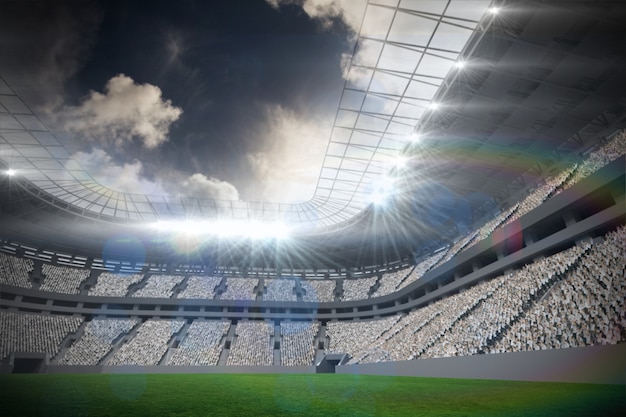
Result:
{"points": [[287, 168], [125, 111], [126, 177], [325, 11], [130, 178], [201, 186]]}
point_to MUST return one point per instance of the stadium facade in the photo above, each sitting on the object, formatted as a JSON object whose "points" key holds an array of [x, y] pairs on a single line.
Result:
{"points": [[513, 246]]}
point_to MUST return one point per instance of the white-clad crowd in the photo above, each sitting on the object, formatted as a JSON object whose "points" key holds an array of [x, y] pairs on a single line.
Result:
{"points": [[508, 296], [240, 289], [96, 341], [354, 336], [390, 281], [357, 289], [62, 279], [280, 289], [200, 287], [573, 298], [458, 246], [318, 291], [610, 151], [15, 271], [110, 284], [298, 343], [496, 222], [24, 332], [607, 153], [252, 344], [149, 345], [201, 345], [586, 308], [159, 286], [422, 267]]}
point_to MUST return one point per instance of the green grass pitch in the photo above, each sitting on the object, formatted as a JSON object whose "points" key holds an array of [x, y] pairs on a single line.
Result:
{"points": [[299, 395]]}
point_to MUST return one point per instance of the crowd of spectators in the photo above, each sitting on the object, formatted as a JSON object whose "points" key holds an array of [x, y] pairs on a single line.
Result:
{"points": [[159, 286], [318, 291], [62, 279], [576, 297], [240, 289], [421, 268], [357, 289], [500, 219], [280, 289], [387, 348], [96, 341], [569, 176], [110, 284], [458, 246], [354, 336], [149, 345], [298, 343], [585, 304], [200, 287], [25, 332], [15, 271], [201, 345], [607, 153], [511, 294], [586, 308], [389, 281], [252, 345]]}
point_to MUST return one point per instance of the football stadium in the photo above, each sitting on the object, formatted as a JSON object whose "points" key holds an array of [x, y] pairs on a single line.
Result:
{"points": [[462, 250]]}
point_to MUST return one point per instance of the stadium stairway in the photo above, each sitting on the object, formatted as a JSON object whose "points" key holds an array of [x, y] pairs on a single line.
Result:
{"points": [[174, 342], [276, 338], [120, 341], [134, 287], [180, 287], [68, 341], [36, 278], [228, 341], [89, 283]]}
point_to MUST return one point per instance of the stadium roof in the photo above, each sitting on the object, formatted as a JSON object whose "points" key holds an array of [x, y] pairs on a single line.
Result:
{"points": [[405, 52], [542, 83]]}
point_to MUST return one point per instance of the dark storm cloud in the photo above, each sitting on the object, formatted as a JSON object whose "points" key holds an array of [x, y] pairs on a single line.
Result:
{"points": [[44, 43], [256, 85]]}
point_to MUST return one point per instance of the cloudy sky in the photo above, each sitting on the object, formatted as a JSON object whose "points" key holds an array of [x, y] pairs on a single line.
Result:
{"points": [[231, 100]]}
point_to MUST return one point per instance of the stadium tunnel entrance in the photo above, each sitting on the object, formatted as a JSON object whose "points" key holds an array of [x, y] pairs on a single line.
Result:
{"points": [[329, 362]]}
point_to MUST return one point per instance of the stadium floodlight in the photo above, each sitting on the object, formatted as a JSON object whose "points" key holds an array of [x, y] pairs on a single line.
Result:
{"points": [[459, 64], [401, 161], [433, 106], [494, 10], [414, 137], [382, 190], [11, 172]]}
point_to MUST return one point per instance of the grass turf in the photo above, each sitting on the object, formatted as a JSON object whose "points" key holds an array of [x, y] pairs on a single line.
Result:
{"points": [[298, 395]]}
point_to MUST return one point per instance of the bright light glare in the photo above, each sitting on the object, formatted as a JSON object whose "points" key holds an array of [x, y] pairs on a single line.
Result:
{"points": [[226, 229], [401, 161], [494, 10], [11, 172], [460, 64], [433, 106], [414, 138], [382, 190]]}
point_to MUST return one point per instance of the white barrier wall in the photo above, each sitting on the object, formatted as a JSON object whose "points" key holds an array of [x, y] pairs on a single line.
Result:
{"points": [[590, 364]]}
